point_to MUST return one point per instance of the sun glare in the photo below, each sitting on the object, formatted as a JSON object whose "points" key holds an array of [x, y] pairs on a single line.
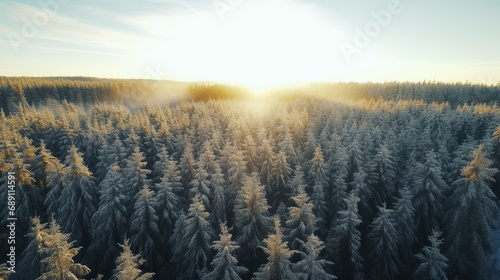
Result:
{"points": [[260, 45]]}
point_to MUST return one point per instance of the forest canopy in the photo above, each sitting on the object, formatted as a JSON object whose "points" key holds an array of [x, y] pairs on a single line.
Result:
{"points": [[325, 181]]}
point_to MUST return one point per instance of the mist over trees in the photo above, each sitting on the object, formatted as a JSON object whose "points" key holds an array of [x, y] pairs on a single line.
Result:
{"points": [[396, 181]]}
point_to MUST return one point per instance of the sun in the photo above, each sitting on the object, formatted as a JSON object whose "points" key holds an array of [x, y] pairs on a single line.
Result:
{"points": [[260, 45]]}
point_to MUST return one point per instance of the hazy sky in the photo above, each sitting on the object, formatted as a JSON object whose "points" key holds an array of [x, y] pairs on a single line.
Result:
{"points": [[260, 43]]}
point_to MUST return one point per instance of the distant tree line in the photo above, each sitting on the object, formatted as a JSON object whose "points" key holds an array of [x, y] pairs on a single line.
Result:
{"points": [[86, 90]]}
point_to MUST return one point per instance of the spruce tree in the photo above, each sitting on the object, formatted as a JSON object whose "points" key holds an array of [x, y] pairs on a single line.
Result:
{"points": [[29, 267], [278, 266], [251, 216], [384, 240], [346, 241], [45, 166], [318, 172], [428, 196], [166, 201], [225, 265], [58, 255], [312, 266], [404, 215], [280, 172], [470, 219], [384, 172], [109, 223], [128, 265], [135, 173], [432, 264], [145, 236], [196, 241], [78, 199], [302, 222]]}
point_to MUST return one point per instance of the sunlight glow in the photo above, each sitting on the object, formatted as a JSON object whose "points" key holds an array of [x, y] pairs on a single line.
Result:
{"points": [[260, 45]]}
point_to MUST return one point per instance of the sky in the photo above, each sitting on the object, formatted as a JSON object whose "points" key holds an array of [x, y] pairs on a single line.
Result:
{"points": [[257, 43]]}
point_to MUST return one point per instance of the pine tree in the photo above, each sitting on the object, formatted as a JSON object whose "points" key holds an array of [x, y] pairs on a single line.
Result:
{"points": [[218, 184], [312, 266], [110, 154], [266, 159], [355, 156], [428, 196], [176, 242], [145, 236], [28, 196], [337, 195], [29, 266], [52, 201], [196, 241], [207, 158], [167, 203], [160, 165], [135, 174], [286, 145], [128, 265], [78, 199], [368, 197], [225, 265], [280, 173], [403, 216], [346, 240], [302, 222], [494, 149], [318, 172], [309, 146], [187, 165], [109, 223], [45, 166], [470, 219], [432, 264], [297, 181], [237, 171], [251, 215], [250, 153], [384, 172], [58, 263], [278, 266], [200, 186], [384, 241], [92, 145]]}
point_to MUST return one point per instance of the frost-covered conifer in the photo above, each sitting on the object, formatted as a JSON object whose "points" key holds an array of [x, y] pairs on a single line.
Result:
{"points": [[302, 222], [109, 223], [145, 236], [251, 216], [128, 265], [470, 219], [278, 264], [312, 265], [225, 265], [346, 239], [384, 240], [58, 255], [432, 264], [78, 200]]}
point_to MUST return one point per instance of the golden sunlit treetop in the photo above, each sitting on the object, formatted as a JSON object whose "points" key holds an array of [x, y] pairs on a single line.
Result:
{"points": [[478, 168]]}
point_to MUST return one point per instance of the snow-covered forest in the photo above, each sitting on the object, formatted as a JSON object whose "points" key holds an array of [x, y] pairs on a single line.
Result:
{"points": [[285, 187]]}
